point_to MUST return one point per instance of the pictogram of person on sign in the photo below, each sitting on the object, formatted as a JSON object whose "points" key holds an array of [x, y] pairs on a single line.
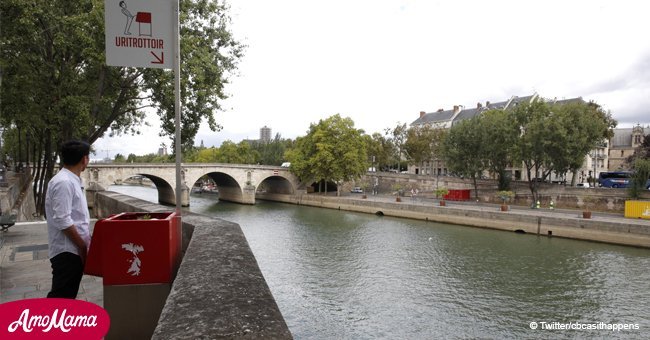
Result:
{"points": [[129, 18]]}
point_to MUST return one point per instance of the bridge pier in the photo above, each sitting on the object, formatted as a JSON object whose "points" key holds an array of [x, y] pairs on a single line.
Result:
{"points": [[166, 195], [249, 195], [237, 195]]}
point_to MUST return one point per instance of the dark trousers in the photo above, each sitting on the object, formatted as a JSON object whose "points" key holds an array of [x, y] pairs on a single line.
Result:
{"points": [[67, 270]]}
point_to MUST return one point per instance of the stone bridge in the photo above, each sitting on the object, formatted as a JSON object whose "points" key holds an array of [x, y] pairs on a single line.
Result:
{"points": [[235, 182]]}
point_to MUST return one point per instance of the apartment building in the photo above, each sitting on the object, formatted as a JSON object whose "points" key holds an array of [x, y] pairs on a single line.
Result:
{"points": [[595, 162]]}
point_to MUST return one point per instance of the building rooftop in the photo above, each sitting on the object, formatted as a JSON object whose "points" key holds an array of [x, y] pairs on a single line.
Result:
{"points": [[447, 116]]}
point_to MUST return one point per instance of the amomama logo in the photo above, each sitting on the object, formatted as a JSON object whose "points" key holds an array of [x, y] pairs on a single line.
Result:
{"points": [[52, 319]]}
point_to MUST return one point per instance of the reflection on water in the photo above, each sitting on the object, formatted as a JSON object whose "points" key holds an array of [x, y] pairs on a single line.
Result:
{"points": [[339, 275]]}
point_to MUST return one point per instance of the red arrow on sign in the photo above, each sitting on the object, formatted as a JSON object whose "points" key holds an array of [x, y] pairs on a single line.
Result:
{"points": [[161, 59]]}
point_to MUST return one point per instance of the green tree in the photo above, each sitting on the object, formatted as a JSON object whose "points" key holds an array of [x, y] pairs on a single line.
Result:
{"points": [[56, 85], [205, 155], [398, 138], [209, 53], [272, 153], [332, 150], [119, 158], [537, 130], [463, 150], [582, 127], [499, 137], [423, 144], [381, 148], [150, 158], [232, 153], [640, 178], [557, 137]]}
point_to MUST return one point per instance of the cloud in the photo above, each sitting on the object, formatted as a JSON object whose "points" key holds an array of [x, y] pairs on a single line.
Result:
{"points": [[636, 75], [380, 63]]}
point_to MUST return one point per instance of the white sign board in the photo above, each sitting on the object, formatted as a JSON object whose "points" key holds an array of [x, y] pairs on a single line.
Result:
{"points": [[140, 33]]}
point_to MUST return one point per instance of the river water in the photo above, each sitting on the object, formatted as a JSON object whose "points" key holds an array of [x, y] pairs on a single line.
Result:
{"points": [[343, 275]]}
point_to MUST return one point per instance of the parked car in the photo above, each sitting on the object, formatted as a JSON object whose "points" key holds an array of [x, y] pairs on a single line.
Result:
{"points": [[583, 185], [357, 190], [285, 164]]}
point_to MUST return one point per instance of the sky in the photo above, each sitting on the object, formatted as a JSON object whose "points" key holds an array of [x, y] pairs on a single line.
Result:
{"points": [[381, 62]]}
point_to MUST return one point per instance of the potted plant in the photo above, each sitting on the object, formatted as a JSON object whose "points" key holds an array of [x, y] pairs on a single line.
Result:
{"points": [[587, 204], [441, 192], [397, 188], [505, 196]]}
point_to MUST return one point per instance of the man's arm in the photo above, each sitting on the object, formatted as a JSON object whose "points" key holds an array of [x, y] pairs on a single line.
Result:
{"points": [[73, 235]]}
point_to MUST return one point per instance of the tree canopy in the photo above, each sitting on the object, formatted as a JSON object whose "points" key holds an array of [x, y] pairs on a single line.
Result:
{"points": [[381, 151], [398, 136], [463, 149], [56, 86], [557, 137], [422, 144], [499, 135], [333, 150]]}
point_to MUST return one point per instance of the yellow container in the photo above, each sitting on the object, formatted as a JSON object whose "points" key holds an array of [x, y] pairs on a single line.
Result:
{"points": [[637, 209]]}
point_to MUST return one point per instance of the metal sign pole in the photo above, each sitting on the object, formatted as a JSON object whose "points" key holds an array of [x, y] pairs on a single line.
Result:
{"points": [[177, 104], [177, 109]]}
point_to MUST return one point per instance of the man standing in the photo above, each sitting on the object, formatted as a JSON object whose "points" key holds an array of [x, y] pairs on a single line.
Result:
{"points": [[67, 221]]}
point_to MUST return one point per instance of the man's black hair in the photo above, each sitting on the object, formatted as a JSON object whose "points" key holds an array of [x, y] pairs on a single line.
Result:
{"points": [[73, 151]]}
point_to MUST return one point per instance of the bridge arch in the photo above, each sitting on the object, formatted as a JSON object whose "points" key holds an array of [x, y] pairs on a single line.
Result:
{"points": [[228, 186], [275, 185], [166, 193]]}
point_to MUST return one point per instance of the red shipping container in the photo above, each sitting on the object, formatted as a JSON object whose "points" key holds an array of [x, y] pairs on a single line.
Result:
{"points": [[135, 248]]}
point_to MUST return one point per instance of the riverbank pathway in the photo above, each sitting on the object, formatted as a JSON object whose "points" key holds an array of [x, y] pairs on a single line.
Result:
{"points": [[25, 270]]}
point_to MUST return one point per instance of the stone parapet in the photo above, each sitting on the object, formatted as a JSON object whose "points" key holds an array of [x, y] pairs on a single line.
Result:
{"points": [[563, 196], [219, 290]]}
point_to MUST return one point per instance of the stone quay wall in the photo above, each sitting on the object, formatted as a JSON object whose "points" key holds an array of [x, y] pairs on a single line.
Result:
{"points": [[607, 229], [563, 196], [219, 290]]}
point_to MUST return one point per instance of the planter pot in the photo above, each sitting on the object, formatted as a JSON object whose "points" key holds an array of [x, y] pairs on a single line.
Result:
{"points": [[398, 199], [443, 203], [586, 214], [364, 196], [504, 207]]}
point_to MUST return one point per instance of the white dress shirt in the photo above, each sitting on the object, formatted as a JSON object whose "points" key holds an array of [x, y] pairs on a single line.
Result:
{"points": [[65, 205]]}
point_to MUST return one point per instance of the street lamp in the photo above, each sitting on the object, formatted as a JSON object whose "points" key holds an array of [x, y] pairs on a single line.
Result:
{"points": [[437, 170], [595, 156], [376, 181]]}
